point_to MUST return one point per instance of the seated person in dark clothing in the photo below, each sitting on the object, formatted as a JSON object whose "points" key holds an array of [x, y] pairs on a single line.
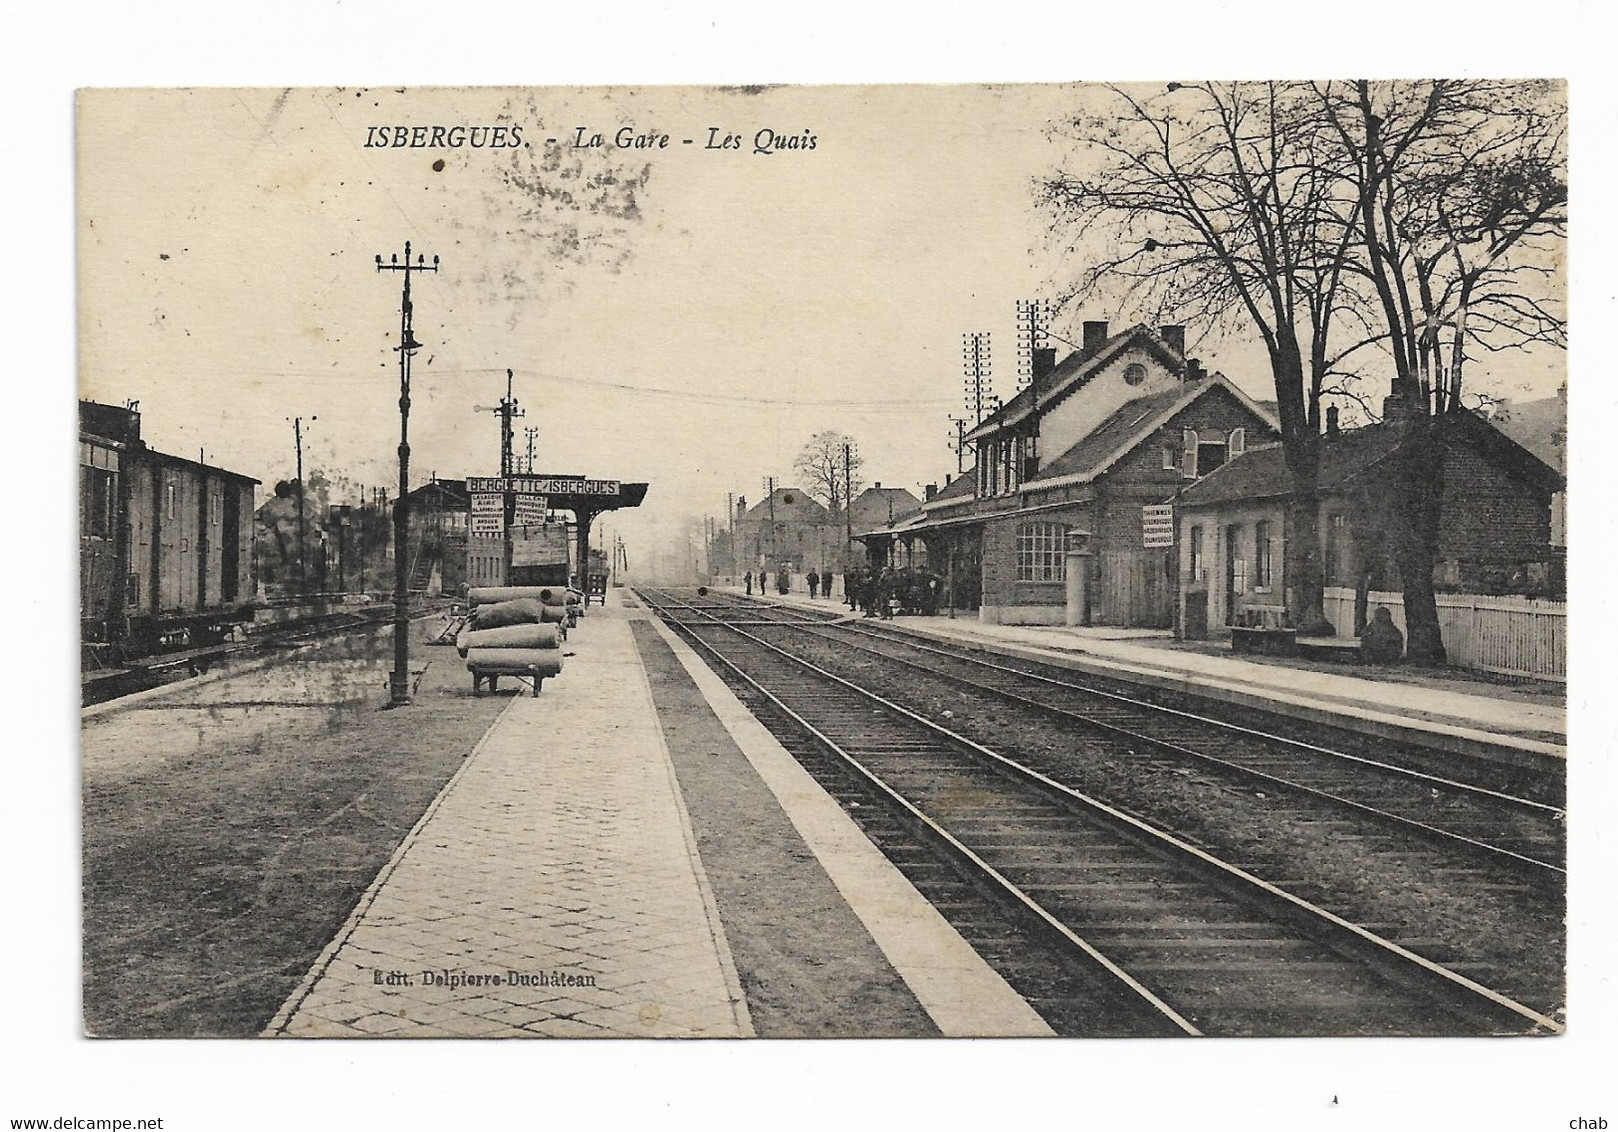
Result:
{"points": [[1381, 642]]}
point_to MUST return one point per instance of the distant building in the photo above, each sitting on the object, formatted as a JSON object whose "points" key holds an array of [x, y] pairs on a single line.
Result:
{"points": [[788, 530], [439, 517], [879, 506]]}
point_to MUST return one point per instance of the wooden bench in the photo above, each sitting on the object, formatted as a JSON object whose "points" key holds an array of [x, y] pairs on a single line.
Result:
{"points": [[1260, 629], [1268, 642]]}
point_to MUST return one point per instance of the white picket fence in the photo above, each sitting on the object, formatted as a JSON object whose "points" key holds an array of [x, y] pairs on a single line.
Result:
{"points": [[1518, 636]]}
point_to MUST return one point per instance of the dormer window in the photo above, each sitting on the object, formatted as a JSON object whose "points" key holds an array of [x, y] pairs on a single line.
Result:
{"points": [[1206, 451]]}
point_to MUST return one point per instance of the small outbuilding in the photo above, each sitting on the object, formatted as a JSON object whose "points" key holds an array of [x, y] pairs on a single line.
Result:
{"points": [[1494, 528]]}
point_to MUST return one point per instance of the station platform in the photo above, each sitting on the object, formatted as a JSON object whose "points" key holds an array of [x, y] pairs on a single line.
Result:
{"points": [[631, 854], [1471, 717]]}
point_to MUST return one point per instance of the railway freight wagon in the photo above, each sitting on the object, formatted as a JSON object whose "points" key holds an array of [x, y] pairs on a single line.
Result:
{"points": [[165, 543]]}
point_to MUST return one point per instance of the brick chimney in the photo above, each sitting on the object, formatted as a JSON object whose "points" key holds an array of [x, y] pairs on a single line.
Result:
{"points": [[1332, 431], [741, 506], [1044, 362], [1194, 370], [1173, 337], [1095, 333], [1400, 403], [928, 492]]}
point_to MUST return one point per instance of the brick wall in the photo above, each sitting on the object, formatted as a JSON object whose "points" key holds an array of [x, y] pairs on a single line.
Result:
{"points": [[1488, 517], [1140, 479]]}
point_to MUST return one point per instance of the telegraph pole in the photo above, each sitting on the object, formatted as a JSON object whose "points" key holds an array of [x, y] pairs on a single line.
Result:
{"points": [[769, 493], [848, 499], [531, 432], [364, 527], [507, 411], [976, 360], [399, 684], [1033, 335], [959, 444], [297, 440]]}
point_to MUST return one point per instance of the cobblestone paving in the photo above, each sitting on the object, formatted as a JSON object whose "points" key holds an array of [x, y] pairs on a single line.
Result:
{"points": [[554, 878]]}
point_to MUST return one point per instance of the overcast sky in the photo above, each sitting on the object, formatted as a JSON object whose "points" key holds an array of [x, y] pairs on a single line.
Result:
{"points": [[712, 311]]}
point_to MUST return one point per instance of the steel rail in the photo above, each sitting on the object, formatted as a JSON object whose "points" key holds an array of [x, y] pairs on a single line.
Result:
{"points": [[914, 640], [1250, 732], [1173, 748], [998, 880], [1173, 846]]}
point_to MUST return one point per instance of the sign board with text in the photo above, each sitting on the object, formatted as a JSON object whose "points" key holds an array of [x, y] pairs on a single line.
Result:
{"points": [[564, 485], [488, 524], [543, 545], [1157, 525], [529, 510], [545, 485]]}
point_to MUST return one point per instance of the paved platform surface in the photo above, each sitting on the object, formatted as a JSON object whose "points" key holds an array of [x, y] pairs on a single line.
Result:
{"points": [[559, 854], [1471, 715], [555, 887]]}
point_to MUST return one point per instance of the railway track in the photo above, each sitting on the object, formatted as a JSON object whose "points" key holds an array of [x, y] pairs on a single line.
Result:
{"points": [[158, 670], [1478, 820], [1195, 944]]}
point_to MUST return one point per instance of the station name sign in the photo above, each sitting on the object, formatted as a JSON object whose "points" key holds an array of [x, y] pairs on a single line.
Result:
{"points": [[543, 485]]}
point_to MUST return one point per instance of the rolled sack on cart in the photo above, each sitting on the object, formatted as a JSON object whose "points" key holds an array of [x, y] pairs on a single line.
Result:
{"points": [[510, 637], [491, 664], [522, 611], [489, 595]]}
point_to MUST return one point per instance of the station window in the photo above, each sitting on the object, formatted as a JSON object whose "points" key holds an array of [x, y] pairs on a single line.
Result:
{"points": [[1042, 552], [1263, 554], [1210, 455], [1337, 551], [1197, 564], [168, 499]]}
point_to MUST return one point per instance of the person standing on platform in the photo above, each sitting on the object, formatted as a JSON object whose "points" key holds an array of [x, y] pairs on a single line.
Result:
{"points": [[814, 585], [761, 590], [748, 578]]}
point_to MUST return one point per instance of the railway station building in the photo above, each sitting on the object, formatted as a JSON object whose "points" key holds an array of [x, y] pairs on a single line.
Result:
{"points": [[1061, 520]]}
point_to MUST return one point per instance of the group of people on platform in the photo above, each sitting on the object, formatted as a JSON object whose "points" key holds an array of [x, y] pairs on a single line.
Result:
{"points": [[878, 591], [885, 592]]}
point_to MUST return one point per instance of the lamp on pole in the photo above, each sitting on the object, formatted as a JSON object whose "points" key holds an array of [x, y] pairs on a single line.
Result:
{"points": [[399, 683]]}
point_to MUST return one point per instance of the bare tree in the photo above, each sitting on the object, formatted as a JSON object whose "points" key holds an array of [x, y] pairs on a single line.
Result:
{"points": [[1343, 223], [822, 471], [1461, 193], [1227, 204]]}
